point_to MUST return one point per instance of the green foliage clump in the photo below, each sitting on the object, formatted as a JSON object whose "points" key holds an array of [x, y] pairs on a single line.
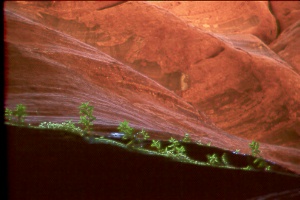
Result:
{"points": [[156, 144], [141, 136], [134, 138], [18, 114], [8, 114], [213, 160], [86, 116], [126, 129], [175, 147], [66, 126], [259, 161], [254, 146]]}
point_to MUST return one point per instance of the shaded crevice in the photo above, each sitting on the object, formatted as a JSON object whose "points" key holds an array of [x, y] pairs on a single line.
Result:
{"points": [[277, 21], [215, 54], [112, 5]]}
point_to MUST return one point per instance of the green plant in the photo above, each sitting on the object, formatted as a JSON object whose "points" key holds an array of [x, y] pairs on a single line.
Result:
{"points": [[254, 146], [20, 113], [86, 118], [186, 138], [8, 114], [126, 129], [225, 160], [213, 159], [134, 138], [259, 162], [156, 144], [175, 148], [67, 126], [142, 135]]}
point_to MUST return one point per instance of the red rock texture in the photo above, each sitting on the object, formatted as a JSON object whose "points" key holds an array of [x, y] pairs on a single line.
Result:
{"points": [[251, 17], [62, 54], [287, 45], [286, 12]]}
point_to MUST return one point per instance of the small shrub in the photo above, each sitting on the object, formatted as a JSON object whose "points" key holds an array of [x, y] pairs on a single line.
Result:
{"points": [[8, 114], [254, 146], [20, 113], [126, 129], [86, 118]]}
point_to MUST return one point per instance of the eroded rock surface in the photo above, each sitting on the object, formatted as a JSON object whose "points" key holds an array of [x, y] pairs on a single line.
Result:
{"points": [[62, 54], [286, 12], [226, 17], [287, 45]]}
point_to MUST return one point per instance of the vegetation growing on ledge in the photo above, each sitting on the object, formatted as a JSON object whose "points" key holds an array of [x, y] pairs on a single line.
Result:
{"points": [[135, 140]]}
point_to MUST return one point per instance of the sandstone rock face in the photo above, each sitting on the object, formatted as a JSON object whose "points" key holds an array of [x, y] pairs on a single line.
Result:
{"points": [[139, 62], [287, 45], [286, 12], [226, 17]]}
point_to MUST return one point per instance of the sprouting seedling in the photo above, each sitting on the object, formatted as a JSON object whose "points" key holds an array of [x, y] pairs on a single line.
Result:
{"points": [[156, 144], [20, 113], [213, 159], [186, 138], [224, 159], [86, 118], [249, 167], [180, 150]]}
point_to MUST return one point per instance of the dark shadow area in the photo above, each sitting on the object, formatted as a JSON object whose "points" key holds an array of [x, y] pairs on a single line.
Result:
{"points": [[47, 164]]}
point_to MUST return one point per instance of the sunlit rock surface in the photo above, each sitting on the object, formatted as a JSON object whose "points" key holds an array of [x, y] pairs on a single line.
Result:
{"points": [[226, 17], [287, 45], [139, 62]]}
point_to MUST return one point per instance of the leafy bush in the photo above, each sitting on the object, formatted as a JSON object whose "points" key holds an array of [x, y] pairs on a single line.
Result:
{"points": [[126, 129], [18, 114], [175, 147], [134, 138]]}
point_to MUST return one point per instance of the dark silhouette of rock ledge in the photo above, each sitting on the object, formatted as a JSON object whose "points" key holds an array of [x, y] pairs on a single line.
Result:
{"points": [[48, 164]]}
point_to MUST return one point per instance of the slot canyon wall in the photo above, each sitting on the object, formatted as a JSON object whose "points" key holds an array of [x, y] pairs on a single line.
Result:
{"points": [[225, 72]]}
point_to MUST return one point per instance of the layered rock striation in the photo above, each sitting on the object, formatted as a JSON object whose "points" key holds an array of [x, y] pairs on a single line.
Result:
{"points": [[155, 66]]}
